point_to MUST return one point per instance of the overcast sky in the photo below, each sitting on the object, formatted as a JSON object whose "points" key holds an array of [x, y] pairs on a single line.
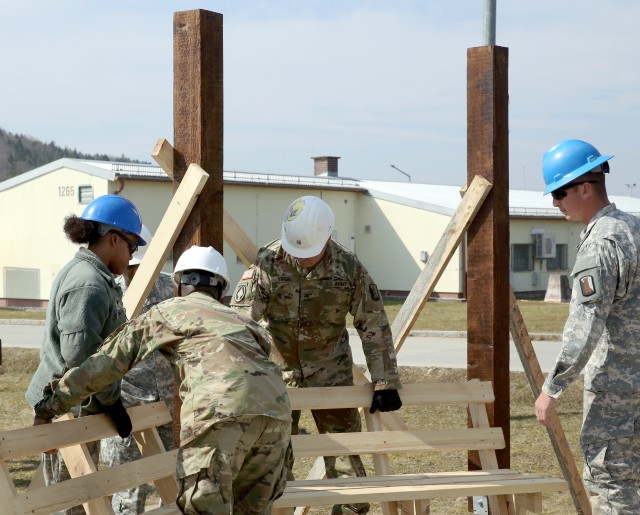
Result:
{"points": [[374, 82]]}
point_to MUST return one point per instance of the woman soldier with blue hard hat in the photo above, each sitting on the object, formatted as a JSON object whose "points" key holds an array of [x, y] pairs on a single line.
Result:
{"points": [[85, 306]]}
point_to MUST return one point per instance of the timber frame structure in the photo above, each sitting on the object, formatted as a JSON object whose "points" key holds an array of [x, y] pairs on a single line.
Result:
{"points": [[196, 216]]}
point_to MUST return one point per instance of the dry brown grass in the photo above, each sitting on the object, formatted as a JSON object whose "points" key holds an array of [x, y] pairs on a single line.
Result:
{"points": [[531, 450]]}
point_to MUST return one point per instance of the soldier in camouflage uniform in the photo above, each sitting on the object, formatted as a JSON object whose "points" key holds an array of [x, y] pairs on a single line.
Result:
{"points": [[602, 332], [302, 287], [235, 414], [150, 380]]}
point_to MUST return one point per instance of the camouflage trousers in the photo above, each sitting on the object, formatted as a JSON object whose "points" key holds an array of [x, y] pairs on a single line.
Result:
{"points": [[55, 471], [612, 475], [246, 472], [115, 451]]}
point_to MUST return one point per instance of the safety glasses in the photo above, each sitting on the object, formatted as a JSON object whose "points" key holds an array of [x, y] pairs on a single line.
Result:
{"points": [[561, 192], [133, 246]]}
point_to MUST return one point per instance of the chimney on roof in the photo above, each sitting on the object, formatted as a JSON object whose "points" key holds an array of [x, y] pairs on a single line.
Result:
{"points": [[325, 166]]}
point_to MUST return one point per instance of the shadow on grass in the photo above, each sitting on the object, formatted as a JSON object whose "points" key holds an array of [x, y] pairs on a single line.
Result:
{"points": [[533, 417]]}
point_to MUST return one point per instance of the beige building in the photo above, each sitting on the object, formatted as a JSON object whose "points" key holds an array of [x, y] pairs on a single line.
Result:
{"points": [[393, 227]]}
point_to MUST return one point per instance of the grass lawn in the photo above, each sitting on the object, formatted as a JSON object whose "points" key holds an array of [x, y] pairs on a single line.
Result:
{"points": [[531, 450], [539, 316]]}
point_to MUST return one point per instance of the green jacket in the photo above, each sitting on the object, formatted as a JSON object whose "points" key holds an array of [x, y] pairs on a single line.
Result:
{"points": [[85, 307]]}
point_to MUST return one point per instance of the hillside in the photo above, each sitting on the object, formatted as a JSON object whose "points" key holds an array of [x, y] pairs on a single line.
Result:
{"points": [[20, 153]]}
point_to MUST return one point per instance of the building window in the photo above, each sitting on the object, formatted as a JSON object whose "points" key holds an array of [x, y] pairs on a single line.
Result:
{"points": [[522, 257], [85, 194], [560, 261]]}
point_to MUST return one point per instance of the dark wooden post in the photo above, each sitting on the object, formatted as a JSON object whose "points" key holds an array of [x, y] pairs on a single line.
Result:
{"points": [[198, 120], [488, 287], [198, 127]]}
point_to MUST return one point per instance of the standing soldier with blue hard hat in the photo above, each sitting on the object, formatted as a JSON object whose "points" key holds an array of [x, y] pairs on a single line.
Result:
{"points": [[302, 287], [85, 306], [602, 332]]}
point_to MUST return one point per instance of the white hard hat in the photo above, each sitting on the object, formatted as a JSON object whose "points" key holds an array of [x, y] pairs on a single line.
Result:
{"points": [[136, 259], [203, 258], [307, 226]]}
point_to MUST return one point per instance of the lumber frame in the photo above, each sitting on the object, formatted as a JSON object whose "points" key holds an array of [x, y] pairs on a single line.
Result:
{"points": [[488, 235]]}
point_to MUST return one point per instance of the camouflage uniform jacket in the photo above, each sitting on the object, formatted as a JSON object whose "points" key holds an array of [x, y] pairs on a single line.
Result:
{"points": [[305, 314], [84, 308], [602, 332], [150, 380], [218, 357]]}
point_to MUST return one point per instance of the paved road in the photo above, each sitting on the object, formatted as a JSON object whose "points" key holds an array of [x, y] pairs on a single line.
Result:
{"points": [[418, 351]]}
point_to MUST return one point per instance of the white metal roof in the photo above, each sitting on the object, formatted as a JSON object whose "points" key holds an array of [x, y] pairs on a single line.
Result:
{"points": [[445, 199], [438, 198]]}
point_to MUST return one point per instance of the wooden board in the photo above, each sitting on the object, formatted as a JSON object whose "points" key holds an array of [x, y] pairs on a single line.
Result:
{"points": [[437, 263], [167, 233]]}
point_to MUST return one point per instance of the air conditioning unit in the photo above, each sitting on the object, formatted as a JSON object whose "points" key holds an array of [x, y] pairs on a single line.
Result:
{"points": [[544, 246]]}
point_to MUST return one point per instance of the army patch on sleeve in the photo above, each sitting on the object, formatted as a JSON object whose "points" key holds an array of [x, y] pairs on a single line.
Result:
{"points": [[587, 286], [248, 274], [240, 293], [375, 293]]}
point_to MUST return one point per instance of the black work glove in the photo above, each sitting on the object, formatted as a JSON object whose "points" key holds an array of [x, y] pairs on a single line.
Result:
{"points": [[120, 417], [42, 412], [385, 400]]}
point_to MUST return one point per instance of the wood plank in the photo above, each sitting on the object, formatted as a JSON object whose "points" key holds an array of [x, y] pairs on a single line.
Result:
{"points": [[381, 463], [162, 154], [411, 487], [340, 444], [238, 240], [150, 444], [78, 490], [79, 463], [534, 374], [18, 443], [440, 257], [170, 226], [7, 492], [335, 397], [488, 458]]}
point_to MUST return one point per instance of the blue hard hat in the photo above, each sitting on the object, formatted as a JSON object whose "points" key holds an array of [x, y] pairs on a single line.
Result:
{"points": [[567, 160], [117, 212]]}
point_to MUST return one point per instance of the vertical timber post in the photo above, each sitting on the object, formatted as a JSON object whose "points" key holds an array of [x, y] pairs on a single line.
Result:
{"points": [[198, 127], [488, 289]]}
